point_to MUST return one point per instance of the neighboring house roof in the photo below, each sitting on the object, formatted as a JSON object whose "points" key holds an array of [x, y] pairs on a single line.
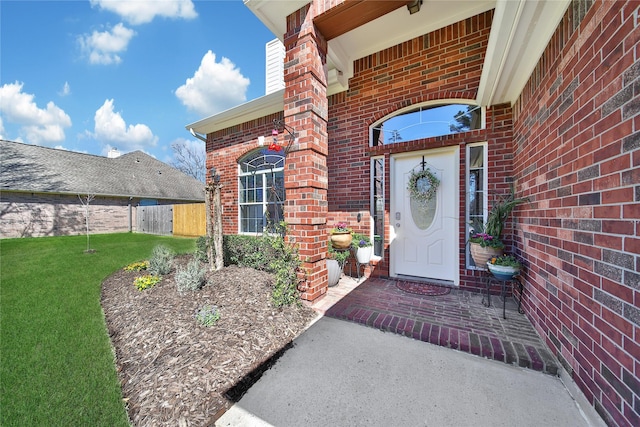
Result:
{"points": [[36, 169]]}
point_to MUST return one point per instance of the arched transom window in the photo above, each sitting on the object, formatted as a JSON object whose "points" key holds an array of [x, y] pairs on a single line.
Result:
{"points": [[261, 190], [426, 121]]}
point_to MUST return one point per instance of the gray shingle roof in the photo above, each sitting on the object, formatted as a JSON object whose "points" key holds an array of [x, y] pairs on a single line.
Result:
{"points": [[32, 168]]}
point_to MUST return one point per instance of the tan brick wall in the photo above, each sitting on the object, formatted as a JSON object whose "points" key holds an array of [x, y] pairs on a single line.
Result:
{"points": [[38, 215]]}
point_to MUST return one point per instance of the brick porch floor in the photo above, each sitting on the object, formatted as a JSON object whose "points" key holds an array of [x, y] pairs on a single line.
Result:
{"points": [[458, 320]]}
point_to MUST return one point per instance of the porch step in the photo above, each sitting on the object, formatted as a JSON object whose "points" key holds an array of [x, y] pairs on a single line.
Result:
{"points": [[458, 321]]}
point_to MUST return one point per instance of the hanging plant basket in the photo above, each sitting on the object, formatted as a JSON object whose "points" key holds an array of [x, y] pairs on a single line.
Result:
{"points": [[423, 185]]}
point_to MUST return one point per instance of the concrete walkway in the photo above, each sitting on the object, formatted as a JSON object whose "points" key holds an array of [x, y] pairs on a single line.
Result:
{"points": [[340, 373]]}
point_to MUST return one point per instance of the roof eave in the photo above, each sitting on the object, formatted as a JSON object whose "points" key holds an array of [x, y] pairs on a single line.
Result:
{"points": [[259, 107], [112, 195]]}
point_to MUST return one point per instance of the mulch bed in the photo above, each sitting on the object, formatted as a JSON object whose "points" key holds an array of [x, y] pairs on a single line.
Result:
{"points": [[174, 371]]}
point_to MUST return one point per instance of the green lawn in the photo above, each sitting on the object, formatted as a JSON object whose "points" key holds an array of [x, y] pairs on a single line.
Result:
{"points": [[56, 363]]}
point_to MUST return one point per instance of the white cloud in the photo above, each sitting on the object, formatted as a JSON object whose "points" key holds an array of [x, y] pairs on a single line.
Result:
{"points": [[39, 125], [1, 129], [66, 89], [104, 47], [142, 12], [111, 130], [214, 87]]}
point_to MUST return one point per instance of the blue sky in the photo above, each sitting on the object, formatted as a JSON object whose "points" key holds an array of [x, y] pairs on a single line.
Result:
{"points": [[90, 75]]}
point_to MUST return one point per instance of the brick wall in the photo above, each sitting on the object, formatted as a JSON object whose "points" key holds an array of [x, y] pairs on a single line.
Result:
{"points": [[442, 65], [577, 155], [38, 215], [230, 145]]}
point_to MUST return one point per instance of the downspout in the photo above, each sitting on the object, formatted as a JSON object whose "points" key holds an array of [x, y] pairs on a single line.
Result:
{"points": [[130, 215]]}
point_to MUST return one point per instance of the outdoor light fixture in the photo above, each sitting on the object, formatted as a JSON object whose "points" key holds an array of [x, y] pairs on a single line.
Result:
{"points": [[200, 137], [414, 6], [215, 176]]}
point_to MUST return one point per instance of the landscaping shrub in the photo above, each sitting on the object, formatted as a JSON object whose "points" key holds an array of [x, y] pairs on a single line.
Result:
{"points": [[137, 266], [201, 249], [248, 251], [190, 278], [285, 266], [208, 315], [161, 260], [268, 253], [145, 282]]}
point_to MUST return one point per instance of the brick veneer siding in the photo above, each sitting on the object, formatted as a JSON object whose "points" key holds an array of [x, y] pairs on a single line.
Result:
{"points": [[577, 155], [224, 149], [440, 66], [39, 215]]}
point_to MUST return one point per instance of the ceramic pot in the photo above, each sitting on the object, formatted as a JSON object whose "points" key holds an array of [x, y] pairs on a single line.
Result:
{"points": [[363, 255], [503, 272], [481, 255], [333, 272], [341, 240]]}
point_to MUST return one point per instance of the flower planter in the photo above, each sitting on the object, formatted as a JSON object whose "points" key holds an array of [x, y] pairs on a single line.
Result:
{"points": [[503, 272], [481, 254], [341, 240], [363, 255], [334, 271]]}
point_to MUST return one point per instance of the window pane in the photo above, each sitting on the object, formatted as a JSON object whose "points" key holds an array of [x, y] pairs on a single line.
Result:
{"points": [[378, 205], [475, 192], [252, 219], [261, 190], [275, 214], [425, 122]]}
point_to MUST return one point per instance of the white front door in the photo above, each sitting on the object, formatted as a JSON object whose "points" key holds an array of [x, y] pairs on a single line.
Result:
{"points": [[424, 237]]}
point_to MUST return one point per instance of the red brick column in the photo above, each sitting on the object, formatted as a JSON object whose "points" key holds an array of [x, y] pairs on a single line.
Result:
{"points": [[305, 111]]}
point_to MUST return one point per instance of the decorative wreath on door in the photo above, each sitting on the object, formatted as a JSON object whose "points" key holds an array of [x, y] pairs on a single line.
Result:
{"points": [[423, 185]]}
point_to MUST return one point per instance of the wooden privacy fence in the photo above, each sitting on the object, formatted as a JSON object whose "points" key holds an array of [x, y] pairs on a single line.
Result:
{"points": [[189, 220], [179, 220]]}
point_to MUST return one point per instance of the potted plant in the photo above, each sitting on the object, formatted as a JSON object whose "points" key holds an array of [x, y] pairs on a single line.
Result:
{"points": [[483, 247], [335, 264], [341, 236], [488, 244], [504, 267], [363, 247]]}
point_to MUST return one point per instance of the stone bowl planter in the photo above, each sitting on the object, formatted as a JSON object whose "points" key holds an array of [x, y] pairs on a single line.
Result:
{"points": [[503, 272]]}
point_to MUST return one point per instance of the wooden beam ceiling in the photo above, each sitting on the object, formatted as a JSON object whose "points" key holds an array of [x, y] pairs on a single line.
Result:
{"points": [[352, 14]]}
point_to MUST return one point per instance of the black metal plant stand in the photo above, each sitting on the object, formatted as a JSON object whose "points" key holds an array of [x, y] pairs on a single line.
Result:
{"points": [[490, 279]]}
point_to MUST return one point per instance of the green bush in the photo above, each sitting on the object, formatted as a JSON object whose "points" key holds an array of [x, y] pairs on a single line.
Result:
{"points": [[285, 267], [208, 315], [137, 266], [248, 251], [268, 253], [190, 278], [145, 282], [161, 260], [201, 249]]}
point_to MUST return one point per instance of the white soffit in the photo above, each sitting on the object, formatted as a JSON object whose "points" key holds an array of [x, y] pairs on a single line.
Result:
{"points": [[520, 32], [259, 107], [397, 27]]}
